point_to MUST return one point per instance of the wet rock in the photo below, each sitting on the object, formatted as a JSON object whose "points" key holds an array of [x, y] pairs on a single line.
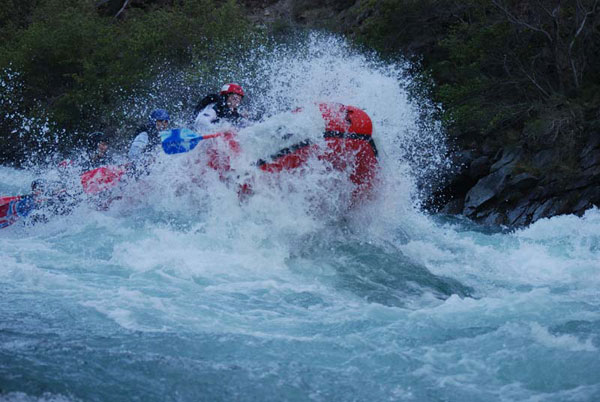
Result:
{"points": [[592, 145], [582, 206], [516, 216], [493, 218], [520, 208], [581, 182], [486, 189], [453, 207], [542, 210], [544, 159], [503, 197], [590, 158], [462, 160], [509, 157], [558, 207], [587, 199], [523, 181], [492, 192], [494, 183], [479, 167]]}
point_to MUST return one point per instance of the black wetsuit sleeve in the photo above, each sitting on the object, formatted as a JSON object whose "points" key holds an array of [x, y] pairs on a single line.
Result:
{"points": [[207, 100]]}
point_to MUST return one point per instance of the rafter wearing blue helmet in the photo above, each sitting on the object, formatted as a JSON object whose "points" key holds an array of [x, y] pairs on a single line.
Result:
{"points": [[148, 136]]}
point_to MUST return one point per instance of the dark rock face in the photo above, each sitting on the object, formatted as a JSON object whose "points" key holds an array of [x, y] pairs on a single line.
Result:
{"points": [[506, 195], [490, 186], [479, 167], [486, 189]]}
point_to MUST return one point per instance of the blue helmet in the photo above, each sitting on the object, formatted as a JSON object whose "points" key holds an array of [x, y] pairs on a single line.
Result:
{"points": [[159, 114]]}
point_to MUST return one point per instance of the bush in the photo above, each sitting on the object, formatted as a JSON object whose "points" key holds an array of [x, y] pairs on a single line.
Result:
{"points": [[500, 65]]}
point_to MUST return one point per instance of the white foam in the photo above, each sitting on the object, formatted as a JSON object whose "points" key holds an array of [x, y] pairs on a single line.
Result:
{"points": [[567, 342]]}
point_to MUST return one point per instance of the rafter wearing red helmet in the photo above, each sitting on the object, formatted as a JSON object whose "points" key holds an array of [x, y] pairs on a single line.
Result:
{"points": [[216, 109]]}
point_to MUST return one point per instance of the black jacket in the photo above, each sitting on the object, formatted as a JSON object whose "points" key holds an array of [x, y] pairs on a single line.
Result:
{"points": [[220, 107]]}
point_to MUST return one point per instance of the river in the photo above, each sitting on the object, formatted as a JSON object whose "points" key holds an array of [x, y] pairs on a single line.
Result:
{"points": [[180, 292]]}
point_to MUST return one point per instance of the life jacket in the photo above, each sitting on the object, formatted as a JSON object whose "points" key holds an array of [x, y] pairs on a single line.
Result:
{"points": [[153, 135], [95, 160], [140, 150]]}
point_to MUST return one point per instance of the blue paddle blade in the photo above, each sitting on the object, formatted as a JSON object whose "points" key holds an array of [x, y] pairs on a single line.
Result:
{"points": [[179, 140], [25, 206]]}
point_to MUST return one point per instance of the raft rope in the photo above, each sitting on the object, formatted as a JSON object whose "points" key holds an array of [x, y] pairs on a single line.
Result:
{"points": [[328, 134]]}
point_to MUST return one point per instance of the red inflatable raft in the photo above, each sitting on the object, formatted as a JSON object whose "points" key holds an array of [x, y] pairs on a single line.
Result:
{"points": [[347, 147]]}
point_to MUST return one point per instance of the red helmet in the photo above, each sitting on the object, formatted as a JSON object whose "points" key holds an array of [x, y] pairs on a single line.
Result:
{"points": [[346, 119], [232, 89]]}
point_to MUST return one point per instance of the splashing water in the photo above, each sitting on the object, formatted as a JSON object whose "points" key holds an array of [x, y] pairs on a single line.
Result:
{"points": [[181, 292]]}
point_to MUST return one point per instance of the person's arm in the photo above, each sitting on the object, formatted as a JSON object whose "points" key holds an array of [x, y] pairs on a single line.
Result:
{"points": [[138, 145], [243, 121], [205, 118]]}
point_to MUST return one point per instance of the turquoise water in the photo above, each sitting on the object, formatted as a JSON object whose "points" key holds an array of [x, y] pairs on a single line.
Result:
{"points": [[181, 293], [110, 308]]}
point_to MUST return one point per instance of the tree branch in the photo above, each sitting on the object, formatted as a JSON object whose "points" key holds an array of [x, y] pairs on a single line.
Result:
{"points": [[531, 76], [122, 8], [517, 21], [577, 33], [547, 10]]}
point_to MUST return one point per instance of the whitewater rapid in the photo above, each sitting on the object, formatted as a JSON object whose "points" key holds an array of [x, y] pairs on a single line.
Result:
{"points": [[181, 292]]}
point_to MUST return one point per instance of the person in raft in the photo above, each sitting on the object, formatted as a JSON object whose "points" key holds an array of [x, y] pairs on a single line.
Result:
{"points": [[146, 141], [216, 109], [48, 198], [99, 154]]}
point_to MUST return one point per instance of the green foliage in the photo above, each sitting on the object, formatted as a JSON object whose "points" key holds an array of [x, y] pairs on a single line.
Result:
{"points": [[76, 63], [499, 66], [14, 15]]}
